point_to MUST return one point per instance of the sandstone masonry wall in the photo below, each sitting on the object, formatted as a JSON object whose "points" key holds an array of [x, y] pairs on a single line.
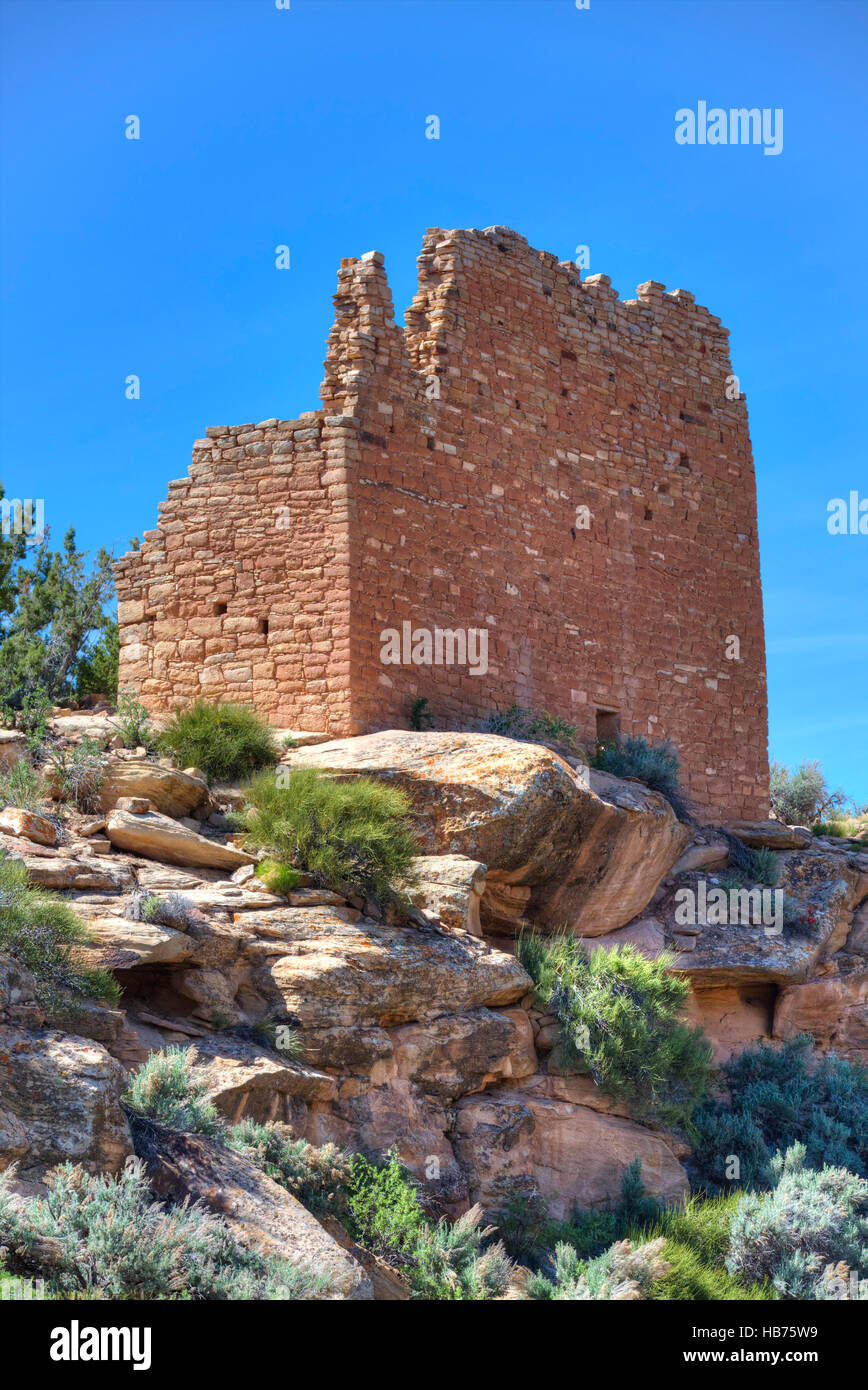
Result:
{"points": [[442, 483]]}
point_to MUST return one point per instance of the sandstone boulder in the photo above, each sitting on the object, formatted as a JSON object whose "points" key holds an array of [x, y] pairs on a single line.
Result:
{"points": [[770, 834], [171, 792], [460, 1053], [254, 1083], [258, 1211], [63, 1093], [159, 837], [592, 849], [122, 944], [29, 826], [450, 888]]}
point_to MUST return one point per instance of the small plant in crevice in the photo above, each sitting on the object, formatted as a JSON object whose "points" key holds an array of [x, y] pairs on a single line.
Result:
{"points": [[420, 717], [657, 765], [22, 786], [764, 866], [173, 911], [133, 723], [277, 877]]}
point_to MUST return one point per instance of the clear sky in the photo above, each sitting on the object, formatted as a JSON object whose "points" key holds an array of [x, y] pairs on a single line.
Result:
{"points": [[306, 127]]}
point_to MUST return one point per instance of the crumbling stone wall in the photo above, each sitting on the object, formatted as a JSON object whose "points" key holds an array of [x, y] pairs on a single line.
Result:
{"points": [[531, 458]]}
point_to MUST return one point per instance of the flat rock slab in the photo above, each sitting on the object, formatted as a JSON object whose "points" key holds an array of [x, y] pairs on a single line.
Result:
{"points": [[258, 1211], [123, 944], [48, 869], [248, 1082], [159, 837], [328, 972], [591, 848], [770, 834]]}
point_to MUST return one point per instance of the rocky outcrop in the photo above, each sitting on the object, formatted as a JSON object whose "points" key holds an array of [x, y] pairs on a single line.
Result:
{"points": [[255, 1083], [29, 826], [59, 1101], [572, 1151], [585, 851], [327, 972]]}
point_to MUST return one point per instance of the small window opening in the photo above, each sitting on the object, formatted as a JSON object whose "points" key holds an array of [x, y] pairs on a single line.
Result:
{"points": [[649, 515], [263, 626], [219, 609]]}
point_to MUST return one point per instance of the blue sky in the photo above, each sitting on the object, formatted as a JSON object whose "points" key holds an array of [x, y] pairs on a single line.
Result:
{"points": [[306, 127]]}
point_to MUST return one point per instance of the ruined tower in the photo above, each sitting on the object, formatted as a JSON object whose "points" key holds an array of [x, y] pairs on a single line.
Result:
{"points": [[530, 458]]}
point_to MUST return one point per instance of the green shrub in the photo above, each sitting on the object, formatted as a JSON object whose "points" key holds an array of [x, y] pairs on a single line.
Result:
{"points": [[443, 1261], [385, 1214], [621, 1016], [277, 877], [810, 1225], [163, 1089], [655, 764], [774, 1098], [318, 1177], [173, 911], [764, 867], [697, 1239], [623, 1272], [349, 835], [79, 771], [535, 726], [22, 786], [107, 1237], [132, 723], [803, 796], [227, 742], [43, 933]]}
